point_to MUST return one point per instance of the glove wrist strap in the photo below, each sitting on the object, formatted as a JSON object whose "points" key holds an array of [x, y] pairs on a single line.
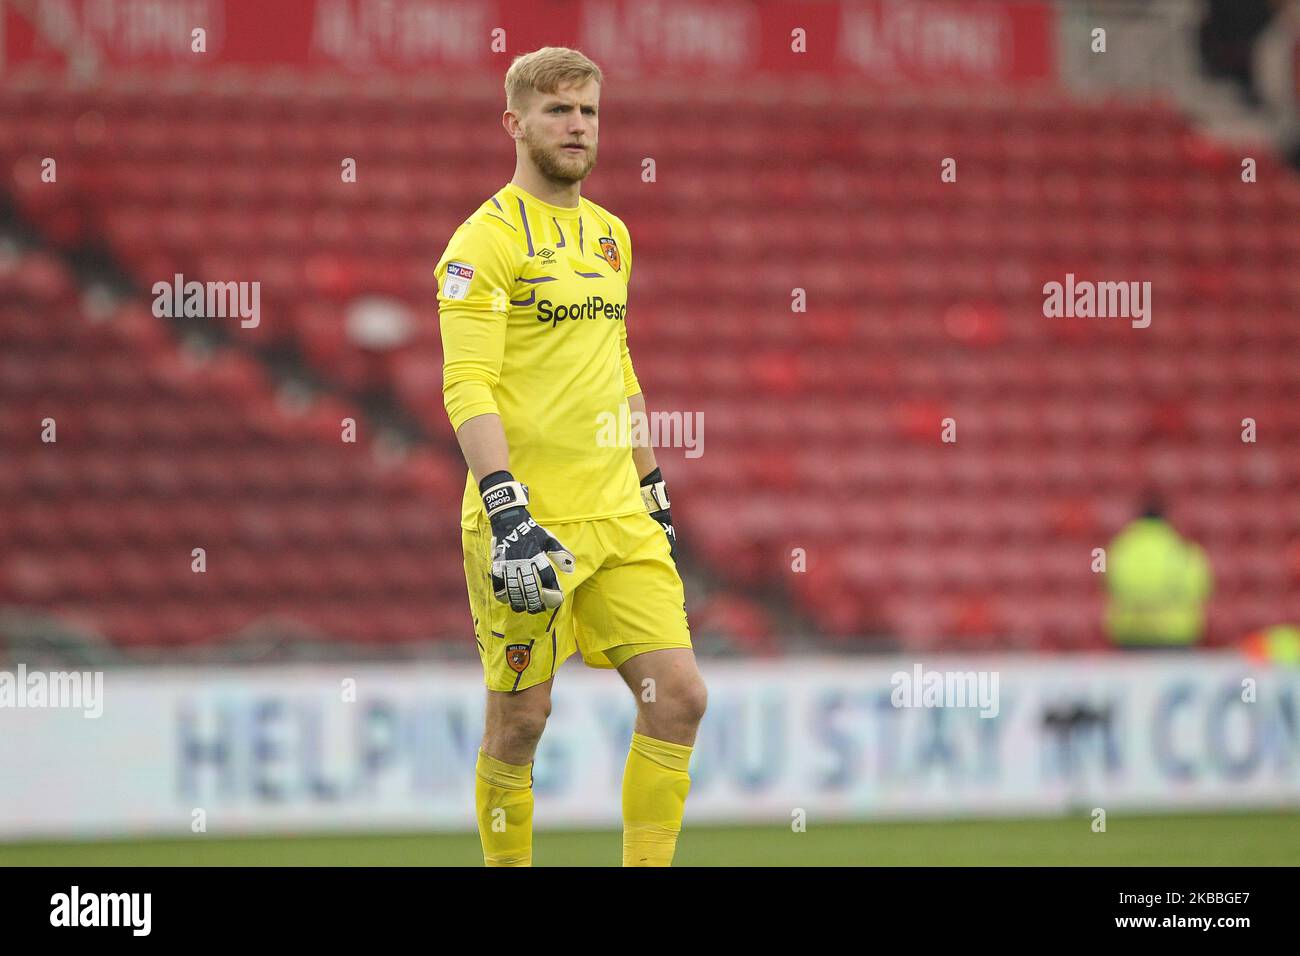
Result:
{"points": [[504, 495], [655, 496]]}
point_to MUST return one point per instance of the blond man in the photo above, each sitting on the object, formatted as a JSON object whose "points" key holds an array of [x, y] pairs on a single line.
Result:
{"points": [[568, 538]]}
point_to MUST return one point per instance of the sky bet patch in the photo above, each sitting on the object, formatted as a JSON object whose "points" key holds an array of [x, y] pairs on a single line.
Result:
{"points": [[456, 284]]}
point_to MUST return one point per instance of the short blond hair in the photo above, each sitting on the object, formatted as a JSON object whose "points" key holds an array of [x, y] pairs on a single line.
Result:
{"points": [[545, 70]]}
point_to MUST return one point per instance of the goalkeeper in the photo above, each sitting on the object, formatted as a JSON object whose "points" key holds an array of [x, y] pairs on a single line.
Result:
{"points": [[569, 544]]}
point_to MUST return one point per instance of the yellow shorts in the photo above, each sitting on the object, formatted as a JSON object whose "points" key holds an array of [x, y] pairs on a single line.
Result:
{"points": [[623, 598]]}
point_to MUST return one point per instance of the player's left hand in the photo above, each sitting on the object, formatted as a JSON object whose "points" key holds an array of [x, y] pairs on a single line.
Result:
{"points": [[654, 492]]}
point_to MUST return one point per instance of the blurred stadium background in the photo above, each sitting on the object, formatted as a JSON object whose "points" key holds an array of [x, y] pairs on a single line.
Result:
{"points": [[332, 550]]}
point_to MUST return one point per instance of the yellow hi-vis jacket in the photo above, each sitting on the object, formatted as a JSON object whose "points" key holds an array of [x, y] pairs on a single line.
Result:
{"points": [[1159, 584]]}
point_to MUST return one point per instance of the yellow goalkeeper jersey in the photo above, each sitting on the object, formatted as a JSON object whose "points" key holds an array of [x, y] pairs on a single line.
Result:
{"points": [[532, 304]]}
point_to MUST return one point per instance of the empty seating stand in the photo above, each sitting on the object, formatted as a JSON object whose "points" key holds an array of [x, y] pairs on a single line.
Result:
{"points": [[822, 427]]}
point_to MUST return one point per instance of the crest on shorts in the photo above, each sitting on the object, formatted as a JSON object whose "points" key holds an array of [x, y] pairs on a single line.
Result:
{"points": [[518, 656], [609, 249]]}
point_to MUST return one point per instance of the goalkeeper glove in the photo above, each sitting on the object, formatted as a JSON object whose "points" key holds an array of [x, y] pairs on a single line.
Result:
{"points": [[655, 495], [523, 574]]}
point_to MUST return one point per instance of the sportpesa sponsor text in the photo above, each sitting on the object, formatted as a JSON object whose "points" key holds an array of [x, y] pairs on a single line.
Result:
{"points": [[594, 307]]}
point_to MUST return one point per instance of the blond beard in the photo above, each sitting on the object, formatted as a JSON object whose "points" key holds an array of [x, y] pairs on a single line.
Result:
{"points": [[546, 164]]}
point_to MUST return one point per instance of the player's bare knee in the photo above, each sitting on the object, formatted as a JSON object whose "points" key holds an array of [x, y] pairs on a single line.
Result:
{"points": [[525, 732], [680, 708], [513, 723], [514, 741], [694, 701]]}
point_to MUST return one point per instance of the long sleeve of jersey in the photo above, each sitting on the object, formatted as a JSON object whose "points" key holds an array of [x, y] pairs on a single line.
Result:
{"points": [[474, 280], [630, 385]]}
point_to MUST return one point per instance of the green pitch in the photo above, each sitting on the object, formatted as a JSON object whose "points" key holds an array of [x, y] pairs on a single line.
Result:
{"points": [[1242, 839]]}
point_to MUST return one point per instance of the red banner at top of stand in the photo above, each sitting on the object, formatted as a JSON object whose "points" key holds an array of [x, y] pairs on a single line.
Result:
{"points": [[871, 42]]}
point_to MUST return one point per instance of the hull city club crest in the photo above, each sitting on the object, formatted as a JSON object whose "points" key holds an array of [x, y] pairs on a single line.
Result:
{"points": [[609, 249], [518, 656]]}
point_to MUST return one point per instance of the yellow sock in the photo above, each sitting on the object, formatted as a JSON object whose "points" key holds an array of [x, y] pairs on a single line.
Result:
{"points": [[655, 784], [503, 797]]}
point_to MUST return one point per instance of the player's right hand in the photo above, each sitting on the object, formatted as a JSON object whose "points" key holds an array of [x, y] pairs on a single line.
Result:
{"points": [[524, 554]]}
